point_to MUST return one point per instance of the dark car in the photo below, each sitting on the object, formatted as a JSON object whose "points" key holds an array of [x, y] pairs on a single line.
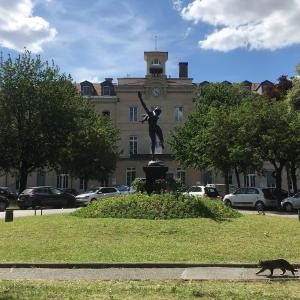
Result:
{"points": [[45, 196], [70, 191], [6, 192], [4, 202]]}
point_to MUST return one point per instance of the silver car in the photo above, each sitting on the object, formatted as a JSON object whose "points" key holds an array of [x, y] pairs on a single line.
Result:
{"points": [[291, 203], [249, 197], [96, 194]]}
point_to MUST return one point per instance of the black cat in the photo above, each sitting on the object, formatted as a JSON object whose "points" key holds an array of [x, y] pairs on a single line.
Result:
{"points": [[281, 264]]}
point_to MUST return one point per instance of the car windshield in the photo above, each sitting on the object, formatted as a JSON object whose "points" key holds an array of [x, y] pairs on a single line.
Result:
{"points": [[27, 191], [94, 190]]}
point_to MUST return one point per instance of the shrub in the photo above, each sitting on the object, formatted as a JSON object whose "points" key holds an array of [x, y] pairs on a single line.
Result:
{"points": [[157, 206]]}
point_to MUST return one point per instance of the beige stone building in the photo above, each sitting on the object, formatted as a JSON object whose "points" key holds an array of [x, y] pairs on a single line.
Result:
{"points": [[119, 100]]}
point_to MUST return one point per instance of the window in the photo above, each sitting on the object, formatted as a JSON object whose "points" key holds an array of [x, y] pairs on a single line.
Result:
{"points": [[180, 174], [40, 179], [62, 181], [106, 113], [82, 184], [130, 175], [156, 61], [132, 145], [86, 90], [56, 191], [178, 114], [106, 90], [133, 114], [253, 191], [249, 180]]}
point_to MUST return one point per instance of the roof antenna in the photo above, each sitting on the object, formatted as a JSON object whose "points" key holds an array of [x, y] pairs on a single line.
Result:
{"points": [[155, 42]]}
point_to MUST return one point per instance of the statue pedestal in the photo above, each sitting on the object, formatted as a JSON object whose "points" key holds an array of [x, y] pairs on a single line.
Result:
{"points": [[154, 171]]}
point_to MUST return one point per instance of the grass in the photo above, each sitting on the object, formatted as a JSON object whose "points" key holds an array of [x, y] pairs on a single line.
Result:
{"points": [[64, 238], [37, 290]]}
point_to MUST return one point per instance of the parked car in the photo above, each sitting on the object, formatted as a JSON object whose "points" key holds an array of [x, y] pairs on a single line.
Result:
{"points": [[291, 203], [201, 191], [250, 197], [45, 196], [123, 189], [70, 191], [96, 194], [8, 193], [221, 188], [4, 202]]}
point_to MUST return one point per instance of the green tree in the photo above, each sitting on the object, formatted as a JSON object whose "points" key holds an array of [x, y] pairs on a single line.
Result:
{"points": [[91, 153], [39, 109], [293, 98], [274, 131], [208, 139]]}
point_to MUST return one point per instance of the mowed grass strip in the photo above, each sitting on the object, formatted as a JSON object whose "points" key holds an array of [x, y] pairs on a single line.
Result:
{"points": [[64, 238], [37, 290]]}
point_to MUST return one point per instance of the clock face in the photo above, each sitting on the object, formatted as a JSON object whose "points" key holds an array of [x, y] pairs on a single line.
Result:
{"points": [[155, 92]]}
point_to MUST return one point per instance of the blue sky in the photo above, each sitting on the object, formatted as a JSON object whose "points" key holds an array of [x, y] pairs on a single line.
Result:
{"points": [[231, 40]]}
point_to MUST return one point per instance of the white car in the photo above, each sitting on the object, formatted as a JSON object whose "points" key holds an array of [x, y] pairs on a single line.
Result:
{"points": [[201, 191], [291, 203], [96, 194], [249, 197]]}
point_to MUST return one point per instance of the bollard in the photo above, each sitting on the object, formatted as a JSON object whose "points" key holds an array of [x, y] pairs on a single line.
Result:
{"points": [[299, 214], [9, 215]]}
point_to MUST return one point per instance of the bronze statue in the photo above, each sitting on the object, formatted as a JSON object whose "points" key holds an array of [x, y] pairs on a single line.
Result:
{"points": [[154, 130]]}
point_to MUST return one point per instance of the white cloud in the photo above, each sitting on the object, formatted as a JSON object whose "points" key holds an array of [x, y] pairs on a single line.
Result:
{"points": [[177, 4], [19, 28], [269, 24]]}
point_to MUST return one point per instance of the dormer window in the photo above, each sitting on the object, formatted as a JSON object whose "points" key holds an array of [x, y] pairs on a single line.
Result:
{"points": [[86, 90], [106, 91]]}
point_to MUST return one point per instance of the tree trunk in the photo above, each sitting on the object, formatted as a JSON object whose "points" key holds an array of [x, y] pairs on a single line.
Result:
{"points": [[288, 177], [226, 179], [237, 175], [23, 177], [294, 176]]}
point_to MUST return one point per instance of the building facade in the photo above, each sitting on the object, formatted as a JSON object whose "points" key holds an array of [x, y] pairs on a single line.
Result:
{"points": [[119, 101]]}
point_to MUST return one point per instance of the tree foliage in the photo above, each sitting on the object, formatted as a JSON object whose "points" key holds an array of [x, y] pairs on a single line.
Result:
{"points": [[91, 153], [40, 109], [209, 139]]}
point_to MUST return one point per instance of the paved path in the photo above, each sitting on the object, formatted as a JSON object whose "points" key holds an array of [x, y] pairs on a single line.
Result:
{"points": [[31, 212], [38, 212], [191, 273]]}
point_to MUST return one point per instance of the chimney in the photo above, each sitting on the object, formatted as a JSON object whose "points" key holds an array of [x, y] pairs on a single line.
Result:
{"points": [[183, 70]]}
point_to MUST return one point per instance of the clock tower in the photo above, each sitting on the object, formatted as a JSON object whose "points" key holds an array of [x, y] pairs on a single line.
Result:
{"points": [[156, 63]]}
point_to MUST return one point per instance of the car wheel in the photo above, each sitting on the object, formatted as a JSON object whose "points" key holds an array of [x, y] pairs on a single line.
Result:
{"points": [[288, 207], [92, 200], [259, 205], [2, 206], [228, 203]]}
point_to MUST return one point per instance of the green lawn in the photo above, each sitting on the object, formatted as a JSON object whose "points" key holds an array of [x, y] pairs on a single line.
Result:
{"points": [[168, 290], [65, 238]]}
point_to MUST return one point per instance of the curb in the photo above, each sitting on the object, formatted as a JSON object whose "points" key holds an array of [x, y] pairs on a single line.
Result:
{"points": [[124, 265]]}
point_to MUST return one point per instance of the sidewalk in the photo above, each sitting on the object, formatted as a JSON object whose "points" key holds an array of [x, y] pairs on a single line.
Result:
{"points": [[133, 273]]}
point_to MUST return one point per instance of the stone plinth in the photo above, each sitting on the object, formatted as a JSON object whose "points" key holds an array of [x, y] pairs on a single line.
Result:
{"points": [[154, 171]]}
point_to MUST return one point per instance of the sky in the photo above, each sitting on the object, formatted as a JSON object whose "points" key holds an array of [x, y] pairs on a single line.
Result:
{"points": [[232, 40]]}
